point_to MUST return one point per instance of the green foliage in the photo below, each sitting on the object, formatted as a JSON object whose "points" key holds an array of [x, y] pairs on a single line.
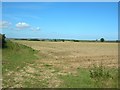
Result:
{"points": [[47, 65], [80, 80], [99, 72], [102, 40], [2, 41], [62, 40], [33, 40], [96, 77], [102, 77], [76, 40], [55, 40]]}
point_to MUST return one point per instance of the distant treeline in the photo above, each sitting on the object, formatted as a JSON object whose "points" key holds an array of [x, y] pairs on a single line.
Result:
{"points": [[63, 40], [3, 40]]}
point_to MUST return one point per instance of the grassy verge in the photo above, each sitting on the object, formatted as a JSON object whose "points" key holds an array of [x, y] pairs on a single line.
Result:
{"points": [[15, 56]]}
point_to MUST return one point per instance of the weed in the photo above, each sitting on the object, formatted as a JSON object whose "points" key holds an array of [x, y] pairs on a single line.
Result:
{"points": [[47, 65], [101, 76], [98, 72]]}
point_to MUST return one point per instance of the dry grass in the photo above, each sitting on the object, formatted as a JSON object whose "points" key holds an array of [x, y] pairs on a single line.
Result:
{"points": [[76, 53], [64, 58]]}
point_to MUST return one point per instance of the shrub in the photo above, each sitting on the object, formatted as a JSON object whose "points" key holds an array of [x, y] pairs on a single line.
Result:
{"points": [[99, 72], [100, 75]]}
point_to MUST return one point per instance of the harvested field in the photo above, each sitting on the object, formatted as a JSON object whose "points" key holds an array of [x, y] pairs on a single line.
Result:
{"points": [[63, 59], [81, 54]]}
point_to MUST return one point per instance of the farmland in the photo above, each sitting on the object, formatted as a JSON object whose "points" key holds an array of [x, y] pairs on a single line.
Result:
{"points": [[62, 65]]}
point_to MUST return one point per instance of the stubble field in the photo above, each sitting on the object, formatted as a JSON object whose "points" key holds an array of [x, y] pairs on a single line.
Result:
{"points": [[76, 54], [64, 64]]}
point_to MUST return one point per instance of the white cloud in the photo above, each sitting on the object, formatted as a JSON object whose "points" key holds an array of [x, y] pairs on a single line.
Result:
{"points": [[5, 24], [38, 28], [35, 28], [22, 25], [19, 26]]}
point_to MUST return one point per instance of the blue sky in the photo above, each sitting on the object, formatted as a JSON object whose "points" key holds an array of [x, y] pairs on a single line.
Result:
{"points": [[85, 21]]}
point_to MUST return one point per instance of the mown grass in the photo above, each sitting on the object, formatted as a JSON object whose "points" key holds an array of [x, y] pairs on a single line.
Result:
{"points": [[16, 56]]}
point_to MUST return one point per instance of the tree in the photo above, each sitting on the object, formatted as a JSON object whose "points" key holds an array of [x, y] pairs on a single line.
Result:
{"points": [[63, 40], [102, 40], [55, 40], [2, 40]]}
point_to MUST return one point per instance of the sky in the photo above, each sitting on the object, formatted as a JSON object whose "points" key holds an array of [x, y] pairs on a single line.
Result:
{"points": [[60, 20]]}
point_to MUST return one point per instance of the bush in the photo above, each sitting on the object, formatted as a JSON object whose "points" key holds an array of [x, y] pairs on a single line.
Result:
{"points": [[2, 40], [99, 72], [100, 75]]}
